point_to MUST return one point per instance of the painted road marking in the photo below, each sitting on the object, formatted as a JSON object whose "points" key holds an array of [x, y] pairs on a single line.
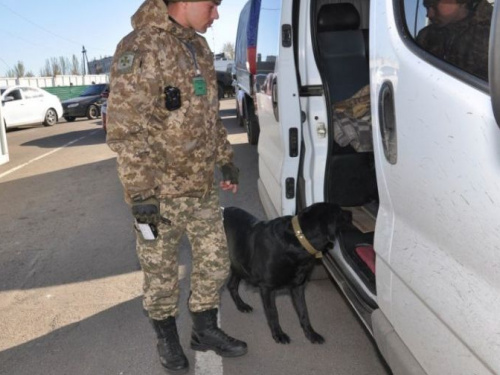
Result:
{"points": [[44, 155]]}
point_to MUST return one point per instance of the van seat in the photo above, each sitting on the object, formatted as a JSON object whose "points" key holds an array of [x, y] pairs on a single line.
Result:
{"points": [[342, 50]]}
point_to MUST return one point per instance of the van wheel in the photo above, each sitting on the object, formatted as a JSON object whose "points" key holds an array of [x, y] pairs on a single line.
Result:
{"points": [[250, 122], [92, 112], [50, 117]]}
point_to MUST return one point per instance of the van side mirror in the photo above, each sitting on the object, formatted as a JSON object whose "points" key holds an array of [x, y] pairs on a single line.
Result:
{"points": [[494, 63], [7, 99]]}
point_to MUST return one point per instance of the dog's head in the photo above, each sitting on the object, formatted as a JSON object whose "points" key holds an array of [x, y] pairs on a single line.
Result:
{"points": [[321, 222]]}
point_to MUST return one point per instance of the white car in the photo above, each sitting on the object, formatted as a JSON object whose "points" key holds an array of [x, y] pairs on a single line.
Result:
{"points": [[29, 105]]}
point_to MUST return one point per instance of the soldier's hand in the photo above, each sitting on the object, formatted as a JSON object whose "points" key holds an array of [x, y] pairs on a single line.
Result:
{"points": [[230, 173], [227, 185], [146, 211]]}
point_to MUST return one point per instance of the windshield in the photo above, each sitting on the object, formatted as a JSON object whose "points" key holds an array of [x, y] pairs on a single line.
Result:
{"points": [[93, 90]]}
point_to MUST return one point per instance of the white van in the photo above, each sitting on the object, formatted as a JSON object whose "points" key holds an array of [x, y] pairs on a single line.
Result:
{"points": [[421, 265]]}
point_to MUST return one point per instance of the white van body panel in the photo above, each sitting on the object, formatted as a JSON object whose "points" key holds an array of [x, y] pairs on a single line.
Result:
{"points": [[275, 162], [314, 129], [316, 148], [437, 234], [306, 62]]}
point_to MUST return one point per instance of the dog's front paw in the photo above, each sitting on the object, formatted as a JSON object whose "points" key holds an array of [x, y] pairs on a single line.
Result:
{"points": [[243, 307], [314, 337], [281, 337]]}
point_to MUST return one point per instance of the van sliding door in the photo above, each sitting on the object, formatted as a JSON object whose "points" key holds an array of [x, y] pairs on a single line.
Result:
{"points": [[437, 151], [278, 109]]}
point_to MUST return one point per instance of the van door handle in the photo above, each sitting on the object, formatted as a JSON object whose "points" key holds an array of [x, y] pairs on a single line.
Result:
{"points": [[274, 97], [494, 63], [387, 119]]}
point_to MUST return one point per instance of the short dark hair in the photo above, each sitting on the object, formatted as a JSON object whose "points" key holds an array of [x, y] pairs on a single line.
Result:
{"points": [[470, 3]]}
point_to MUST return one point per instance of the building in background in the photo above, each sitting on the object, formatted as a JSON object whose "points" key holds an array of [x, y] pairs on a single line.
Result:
{"points": [[101, 66]]}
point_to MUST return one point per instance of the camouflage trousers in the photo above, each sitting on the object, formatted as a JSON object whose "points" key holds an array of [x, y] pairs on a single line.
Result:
{"points": [[201, 220]]}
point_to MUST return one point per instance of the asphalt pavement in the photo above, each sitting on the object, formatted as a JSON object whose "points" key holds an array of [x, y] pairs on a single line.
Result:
{"points": [[70, 282]]}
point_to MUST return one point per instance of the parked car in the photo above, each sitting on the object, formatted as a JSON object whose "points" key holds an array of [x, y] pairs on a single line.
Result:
{"points": [[85, 105], [29, 105]]}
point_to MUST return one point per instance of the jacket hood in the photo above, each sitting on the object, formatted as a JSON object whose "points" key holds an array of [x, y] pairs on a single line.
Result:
{"points": [[151, 13], [154, 13], [483, 12]]}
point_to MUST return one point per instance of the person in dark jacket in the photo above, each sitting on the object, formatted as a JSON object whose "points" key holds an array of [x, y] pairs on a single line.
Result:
{"points": [[459, 33]]}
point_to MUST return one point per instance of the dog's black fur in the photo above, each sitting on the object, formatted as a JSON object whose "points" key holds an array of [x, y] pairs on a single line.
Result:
{"points": [[268, 255]]}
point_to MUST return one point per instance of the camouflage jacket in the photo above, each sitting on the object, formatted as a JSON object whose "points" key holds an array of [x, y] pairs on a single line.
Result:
{"points": [[160, 152], [464, 43]]}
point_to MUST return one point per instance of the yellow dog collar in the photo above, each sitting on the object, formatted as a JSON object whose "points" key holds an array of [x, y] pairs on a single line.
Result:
{"points": [[303, 240]]}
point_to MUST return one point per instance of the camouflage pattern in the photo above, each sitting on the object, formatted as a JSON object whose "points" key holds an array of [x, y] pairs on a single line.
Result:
{"points": [[352, 121], [170, 155], [201, 220], [465, 43], [160, 152]]}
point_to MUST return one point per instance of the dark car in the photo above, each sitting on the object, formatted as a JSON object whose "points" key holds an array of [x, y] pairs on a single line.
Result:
{"points": [[85, 105]]}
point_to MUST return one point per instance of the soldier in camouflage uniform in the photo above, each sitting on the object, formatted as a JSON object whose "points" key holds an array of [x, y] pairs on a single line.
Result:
{"points": [[459, 33], [163, 123]]}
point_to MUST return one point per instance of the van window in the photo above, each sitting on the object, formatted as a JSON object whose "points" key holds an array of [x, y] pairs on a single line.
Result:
{"points": [[268, 35], [456, 31]]}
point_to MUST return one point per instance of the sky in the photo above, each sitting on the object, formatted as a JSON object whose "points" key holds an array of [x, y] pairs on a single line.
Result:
{"points": [[33, 31]]}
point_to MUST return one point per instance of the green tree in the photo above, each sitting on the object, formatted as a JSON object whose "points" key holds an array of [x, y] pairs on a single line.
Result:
{"points": [[46, 71], [18, 71], [75, 66], [65, 65]]}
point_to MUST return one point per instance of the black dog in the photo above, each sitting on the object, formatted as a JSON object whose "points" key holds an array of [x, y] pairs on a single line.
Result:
{"points": [[269, 255]]}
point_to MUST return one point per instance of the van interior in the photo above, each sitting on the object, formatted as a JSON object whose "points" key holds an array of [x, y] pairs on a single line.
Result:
{"points": [[342, 56]]}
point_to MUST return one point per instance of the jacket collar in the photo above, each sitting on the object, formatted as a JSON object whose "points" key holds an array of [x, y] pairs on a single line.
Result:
{"points": [[153, 13]]}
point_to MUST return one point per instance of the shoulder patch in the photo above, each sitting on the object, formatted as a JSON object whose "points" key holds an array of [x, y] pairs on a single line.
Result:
{"points": [[126, 62]]}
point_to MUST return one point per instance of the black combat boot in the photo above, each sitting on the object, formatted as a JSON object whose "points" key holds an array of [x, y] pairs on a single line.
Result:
{"points": [[208, 336], [169, 348]]}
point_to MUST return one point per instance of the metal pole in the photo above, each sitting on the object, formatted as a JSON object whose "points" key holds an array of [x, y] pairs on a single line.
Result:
{"points": [[84, 55]]}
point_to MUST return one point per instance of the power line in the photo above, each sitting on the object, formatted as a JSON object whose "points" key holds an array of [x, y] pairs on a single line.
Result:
{"points": [[7, 65], [22, 39], [43, 28]]}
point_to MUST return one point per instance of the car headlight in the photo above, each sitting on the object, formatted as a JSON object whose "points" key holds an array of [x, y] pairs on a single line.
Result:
{"points": [[73, 105]]}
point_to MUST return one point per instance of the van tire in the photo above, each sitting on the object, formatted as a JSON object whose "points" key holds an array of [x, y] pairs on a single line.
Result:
{"points": [[250, 122], [239, 117]]}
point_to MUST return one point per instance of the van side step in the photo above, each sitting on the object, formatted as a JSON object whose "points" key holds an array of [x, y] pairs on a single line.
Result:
{"points": [[361, 307]]}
